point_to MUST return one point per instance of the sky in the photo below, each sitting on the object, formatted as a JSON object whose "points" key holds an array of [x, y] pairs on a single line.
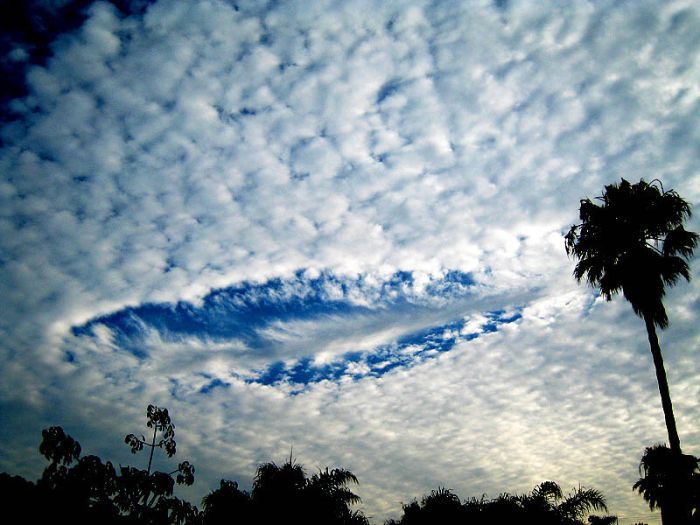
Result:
{"points": [[338, 226]]}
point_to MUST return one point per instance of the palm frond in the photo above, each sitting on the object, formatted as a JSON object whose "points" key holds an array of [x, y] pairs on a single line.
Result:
{"points": [[680, 241], [582, 501]]}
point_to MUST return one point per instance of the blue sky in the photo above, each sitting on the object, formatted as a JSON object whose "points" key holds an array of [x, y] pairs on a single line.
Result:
{"points": [[339, 226]]}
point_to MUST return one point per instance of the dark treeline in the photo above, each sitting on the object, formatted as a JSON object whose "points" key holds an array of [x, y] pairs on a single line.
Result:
{"points": [[545, 505], [77, 488]]}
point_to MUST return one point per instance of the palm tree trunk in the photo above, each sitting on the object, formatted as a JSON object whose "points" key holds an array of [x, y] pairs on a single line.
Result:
{"points": [[674, 440]]}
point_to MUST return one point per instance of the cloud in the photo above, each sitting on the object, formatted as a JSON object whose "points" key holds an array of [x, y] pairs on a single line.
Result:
{"points": [[385, 179]]}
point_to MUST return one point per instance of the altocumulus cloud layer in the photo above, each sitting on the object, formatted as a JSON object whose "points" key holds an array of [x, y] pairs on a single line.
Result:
{"points": [[338, 226]]}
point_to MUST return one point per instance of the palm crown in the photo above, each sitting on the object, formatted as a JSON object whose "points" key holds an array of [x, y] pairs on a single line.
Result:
{"points": [[635, 242]]}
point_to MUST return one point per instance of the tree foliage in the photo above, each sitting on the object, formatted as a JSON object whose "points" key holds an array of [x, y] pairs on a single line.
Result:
{"points": [[545, 505], [159, 420], [633, 241], [670, 483], [285, 493], [148, 496], [84, 489]]}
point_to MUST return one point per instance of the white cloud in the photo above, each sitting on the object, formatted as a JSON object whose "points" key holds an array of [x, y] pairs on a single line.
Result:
{"points": [[200, 146]]}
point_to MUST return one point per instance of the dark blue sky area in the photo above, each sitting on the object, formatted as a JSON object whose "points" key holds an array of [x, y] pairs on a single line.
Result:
{"points": [[424, 344], [242, 313], [239, 311], [29, 28]]}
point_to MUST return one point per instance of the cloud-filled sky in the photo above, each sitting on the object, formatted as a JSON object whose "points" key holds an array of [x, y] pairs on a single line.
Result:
{"points": [[338, 226]]}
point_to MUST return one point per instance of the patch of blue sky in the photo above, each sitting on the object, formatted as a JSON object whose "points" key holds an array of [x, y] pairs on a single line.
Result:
{"points": [[498, 317], [214, 383], [388, 89], [235, 312], [404, 352], [240, 311], [303, 372]]}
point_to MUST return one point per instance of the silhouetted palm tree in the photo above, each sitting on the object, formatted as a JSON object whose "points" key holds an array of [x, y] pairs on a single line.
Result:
{"points": [[634, 242], [670, 483], [333, 483], [328, 493], [442, 506], [275, 484], [577, 504], [284, 494], [550, 505]]}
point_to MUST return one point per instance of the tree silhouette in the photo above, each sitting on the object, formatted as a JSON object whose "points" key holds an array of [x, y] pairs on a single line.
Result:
{"points": [[227, 505], [439, 506], [545, 505], [146, 495], [73, 488], [159, 420], [635, 242], [602, 520], [285, 494], [275, 483], [328, 494], [23, 497], [670, 483], [578, 504]]}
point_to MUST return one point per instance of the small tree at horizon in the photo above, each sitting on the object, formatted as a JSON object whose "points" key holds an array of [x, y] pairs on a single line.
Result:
{"points": [[77, 489], [148, 495]]}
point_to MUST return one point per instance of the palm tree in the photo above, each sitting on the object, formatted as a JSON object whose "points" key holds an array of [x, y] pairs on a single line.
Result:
{"points": [[548, 501], [273, 483], [285, 494], [328, 493], [671, 483], [578, 503], [634, 242], [442, 506]]}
